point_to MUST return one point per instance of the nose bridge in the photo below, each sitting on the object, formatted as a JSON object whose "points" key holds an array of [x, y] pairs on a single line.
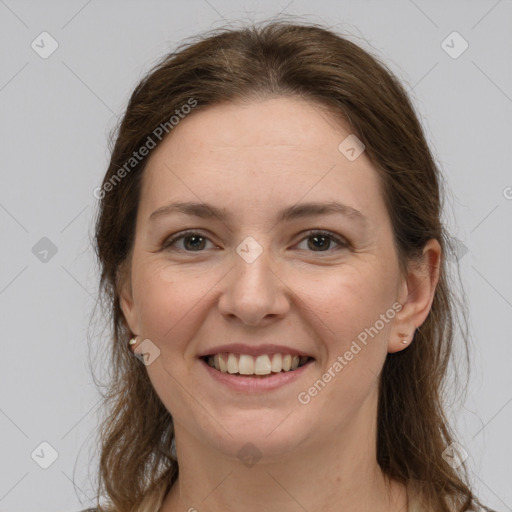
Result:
{"points": [[253, 264], [253, 291]]}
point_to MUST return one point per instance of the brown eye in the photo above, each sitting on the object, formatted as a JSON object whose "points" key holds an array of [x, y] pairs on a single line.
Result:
{"points": [[192, 242], [321, 241]]}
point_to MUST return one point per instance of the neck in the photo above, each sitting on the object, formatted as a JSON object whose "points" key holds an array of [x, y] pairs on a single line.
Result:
{"points": [[341, 474]]}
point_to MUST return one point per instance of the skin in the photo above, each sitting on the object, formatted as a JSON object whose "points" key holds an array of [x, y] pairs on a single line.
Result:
{"points": [[254, 159]]}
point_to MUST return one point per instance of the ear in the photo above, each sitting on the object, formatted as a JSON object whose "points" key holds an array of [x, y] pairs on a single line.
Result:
{"points": [[126, 302], [416, 294]]}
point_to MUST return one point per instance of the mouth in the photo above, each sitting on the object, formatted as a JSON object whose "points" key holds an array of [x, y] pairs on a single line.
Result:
{"points": [[262, 366]]}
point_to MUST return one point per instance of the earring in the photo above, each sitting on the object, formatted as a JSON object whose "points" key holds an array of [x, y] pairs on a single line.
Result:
{"points": [[402, 336], [132, 342]]}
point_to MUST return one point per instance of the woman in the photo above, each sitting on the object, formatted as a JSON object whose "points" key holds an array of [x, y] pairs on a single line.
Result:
{"points": [[271, 247]]}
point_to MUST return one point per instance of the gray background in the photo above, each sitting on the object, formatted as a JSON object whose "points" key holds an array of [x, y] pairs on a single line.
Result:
{"points": [[55, 117]]}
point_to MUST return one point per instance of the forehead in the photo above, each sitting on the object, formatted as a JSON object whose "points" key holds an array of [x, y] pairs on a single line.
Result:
{"points": [[288, 122], [259, 154]]}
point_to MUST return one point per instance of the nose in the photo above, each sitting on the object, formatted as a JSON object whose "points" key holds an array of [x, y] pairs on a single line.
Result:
{"points": [[253, 291]]}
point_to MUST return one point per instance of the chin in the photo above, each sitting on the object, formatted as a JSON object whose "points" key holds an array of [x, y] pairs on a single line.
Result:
{"points": [[254, 438]]}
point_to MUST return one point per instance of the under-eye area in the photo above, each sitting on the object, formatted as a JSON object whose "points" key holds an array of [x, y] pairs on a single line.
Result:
{"points": [[263, 365]]}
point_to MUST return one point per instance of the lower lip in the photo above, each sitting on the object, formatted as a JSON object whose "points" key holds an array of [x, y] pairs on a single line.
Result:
{"points": [[249, 384]]}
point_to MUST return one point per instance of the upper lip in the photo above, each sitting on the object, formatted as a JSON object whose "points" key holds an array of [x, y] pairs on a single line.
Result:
{"points": [[252, 350]]}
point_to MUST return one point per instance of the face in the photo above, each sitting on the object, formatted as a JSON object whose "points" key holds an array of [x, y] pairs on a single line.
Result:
{"points": [[267, 269]]}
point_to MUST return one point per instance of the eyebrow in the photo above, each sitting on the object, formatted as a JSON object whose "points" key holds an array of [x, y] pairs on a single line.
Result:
{"points": [[207, 211]]}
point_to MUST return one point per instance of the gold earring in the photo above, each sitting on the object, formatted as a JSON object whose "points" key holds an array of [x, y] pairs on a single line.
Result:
{"points": [[132, 342]]}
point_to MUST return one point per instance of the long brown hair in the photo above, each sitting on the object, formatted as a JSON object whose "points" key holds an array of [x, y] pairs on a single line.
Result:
{"points": [[280, 58]]}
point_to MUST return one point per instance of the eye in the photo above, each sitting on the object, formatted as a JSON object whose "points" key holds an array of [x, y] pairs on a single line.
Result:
{"points": [[321, 240], [192, 241]]}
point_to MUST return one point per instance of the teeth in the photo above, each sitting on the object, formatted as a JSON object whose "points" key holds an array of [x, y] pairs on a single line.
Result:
{"points": [[261, 365], [246, 365], [232, 363], [277, 363], [223, 363], [287, 362]]}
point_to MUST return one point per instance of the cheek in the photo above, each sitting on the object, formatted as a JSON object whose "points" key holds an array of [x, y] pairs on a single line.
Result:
{"points": [[353, 316], [349, 298], [168, 301], [166, 273]]}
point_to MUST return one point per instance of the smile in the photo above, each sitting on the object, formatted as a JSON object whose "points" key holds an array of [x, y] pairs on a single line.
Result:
{"points": [[264, 364]]}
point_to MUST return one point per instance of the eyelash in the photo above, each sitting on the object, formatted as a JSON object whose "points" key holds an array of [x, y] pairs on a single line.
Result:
{"points": [[315, 232]]}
